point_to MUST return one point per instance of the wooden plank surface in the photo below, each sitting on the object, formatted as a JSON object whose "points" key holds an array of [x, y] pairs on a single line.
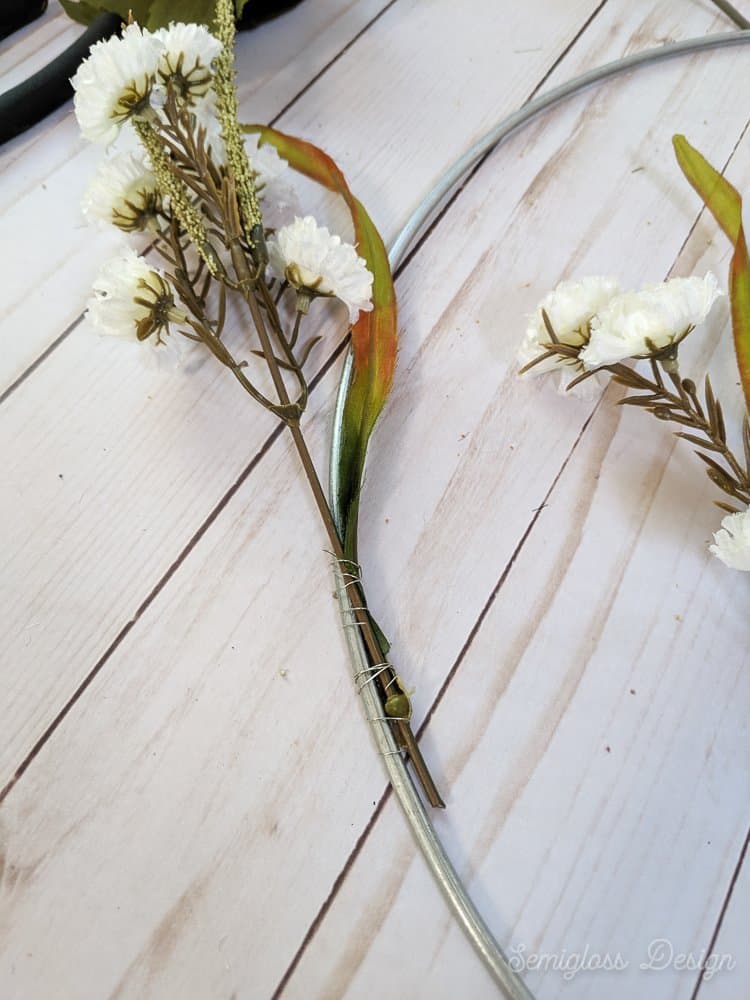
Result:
{"points": [[194, 806], [189, 461], [721, 979]]}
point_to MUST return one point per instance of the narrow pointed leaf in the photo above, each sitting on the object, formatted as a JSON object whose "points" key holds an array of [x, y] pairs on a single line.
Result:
{"points": [[721, 198], [739, 297], [725, 204], [374, 335]]}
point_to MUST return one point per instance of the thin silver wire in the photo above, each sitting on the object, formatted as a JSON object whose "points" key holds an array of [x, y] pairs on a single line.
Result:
{"points": [[403, 786]]}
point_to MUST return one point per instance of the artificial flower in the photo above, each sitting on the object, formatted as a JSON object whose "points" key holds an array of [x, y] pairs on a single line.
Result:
{"points": [[569, 308], [124, 193], [641, 324], [114, 83], [131, 299], [316, 262], [732, 541], [188, 50]]}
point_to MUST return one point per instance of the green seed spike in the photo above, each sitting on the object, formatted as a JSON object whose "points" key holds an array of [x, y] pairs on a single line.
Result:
{"points": [[226, 112], [179, 200]]}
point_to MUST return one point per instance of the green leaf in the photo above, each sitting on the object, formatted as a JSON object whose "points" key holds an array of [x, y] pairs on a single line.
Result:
{"points": [[374, 335], [151, 14], [725, 204], [739, 298], [188, 11], [721, 198], [83, 13]]}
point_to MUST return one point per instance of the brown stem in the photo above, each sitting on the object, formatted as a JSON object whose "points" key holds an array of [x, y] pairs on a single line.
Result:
{"points": [[686, 400], [402, 726]]}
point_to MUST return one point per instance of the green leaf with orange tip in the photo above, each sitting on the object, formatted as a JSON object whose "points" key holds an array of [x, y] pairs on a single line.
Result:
{"points": [[374, 335], [725, 204]]}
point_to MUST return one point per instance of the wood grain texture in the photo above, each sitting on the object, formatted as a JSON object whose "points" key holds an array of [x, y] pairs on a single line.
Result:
{"points": [[89, 548], [182, 829], [725, 962]]}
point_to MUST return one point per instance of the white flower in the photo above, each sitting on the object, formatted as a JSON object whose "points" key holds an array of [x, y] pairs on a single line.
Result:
{"points": [[188, 51], [570, 308], [130, 298], [639, 324], [732, 541], [318, 263], [123, 192], [115, 82]]}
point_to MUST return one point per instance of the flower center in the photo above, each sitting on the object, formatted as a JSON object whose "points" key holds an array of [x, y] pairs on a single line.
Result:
{"points": [[133, 100]]}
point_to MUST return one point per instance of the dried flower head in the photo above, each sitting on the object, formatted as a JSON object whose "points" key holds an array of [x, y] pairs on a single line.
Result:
{"points": [[732, 541], [643, 324], [316, 262], [124, 193], [132, 299], [186, 60], [114, 83]]}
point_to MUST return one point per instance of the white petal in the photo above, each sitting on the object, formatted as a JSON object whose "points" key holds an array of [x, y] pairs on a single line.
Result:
{"points": [[659, 315], [188, 50], [732, 541], [323, 263], [114, 69], [570, 308], [112, 308], [122, 180]]}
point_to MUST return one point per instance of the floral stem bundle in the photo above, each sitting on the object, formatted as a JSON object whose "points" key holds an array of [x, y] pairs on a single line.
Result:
{"points": [[195, 189], [586, 330]]}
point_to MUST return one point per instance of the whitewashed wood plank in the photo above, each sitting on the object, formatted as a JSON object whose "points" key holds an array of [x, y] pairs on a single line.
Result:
{"points": [[726, 971], [47, 279], [216, 729], [30, 48], [86, 547], [595, 742]]}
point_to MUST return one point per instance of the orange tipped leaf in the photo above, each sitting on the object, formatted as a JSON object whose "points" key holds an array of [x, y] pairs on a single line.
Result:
{"points": [[374, 335]]}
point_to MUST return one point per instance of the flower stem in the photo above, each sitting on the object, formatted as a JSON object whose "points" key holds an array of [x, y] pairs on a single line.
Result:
{"points": [[361, 617], [683, 407]]}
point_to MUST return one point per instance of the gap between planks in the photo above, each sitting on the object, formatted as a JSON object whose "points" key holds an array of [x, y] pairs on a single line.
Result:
{"points": [[722, 913]]}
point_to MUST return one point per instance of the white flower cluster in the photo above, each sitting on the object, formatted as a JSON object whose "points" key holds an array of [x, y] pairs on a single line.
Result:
{"points": [[316, 262], [607, 326], [610, 326], [129, 77], [126, 77], [732, 541], [640, 324], [569, 309]]}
